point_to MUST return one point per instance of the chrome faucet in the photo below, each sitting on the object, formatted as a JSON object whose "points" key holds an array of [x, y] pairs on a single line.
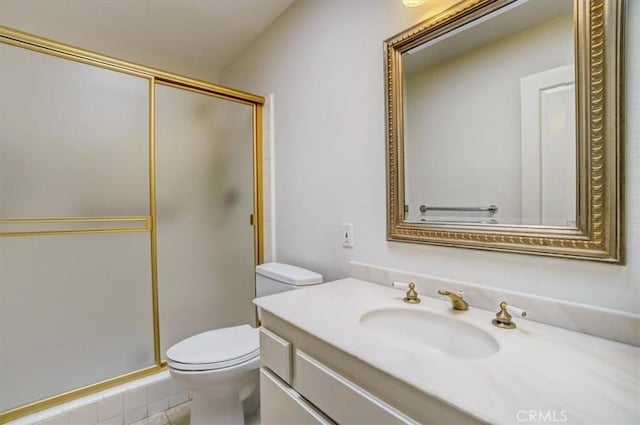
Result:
{"points": [[457, 300]]}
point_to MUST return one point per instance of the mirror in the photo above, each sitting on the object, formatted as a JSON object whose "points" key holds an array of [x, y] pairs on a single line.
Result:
{"points": [[505, 78], [503, 128]]}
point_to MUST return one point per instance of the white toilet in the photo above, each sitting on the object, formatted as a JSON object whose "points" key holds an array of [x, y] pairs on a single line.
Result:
{"points": [[220, 367]]}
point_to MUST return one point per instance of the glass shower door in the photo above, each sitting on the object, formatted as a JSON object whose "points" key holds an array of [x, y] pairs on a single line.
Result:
{"points": [[204, 198], [75, 274]]}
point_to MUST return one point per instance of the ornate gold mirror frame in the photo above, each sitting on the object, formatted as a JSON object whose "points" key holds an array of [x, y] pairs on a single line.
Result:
{"points": [[598, 234]]}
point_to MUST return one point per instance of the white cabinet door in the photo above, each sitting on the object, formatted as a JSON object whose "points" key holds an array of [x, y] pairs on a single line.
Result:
{"points": [[275, 353], [344, 401], [281, 405]]}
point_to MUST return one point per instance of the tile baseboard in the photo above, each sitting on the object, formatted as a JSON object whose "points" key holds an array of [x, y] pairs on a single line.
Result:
{"points": [[121, 405]]}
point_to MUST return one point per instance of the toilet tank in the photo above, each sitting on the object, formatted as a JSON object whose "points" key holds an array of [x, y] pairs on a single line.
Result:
{"points": [[273, 278]]}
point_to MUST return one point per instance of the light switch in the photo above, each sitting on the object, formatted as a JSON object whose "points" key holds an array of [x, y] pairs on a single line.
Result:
{"points": [[347, 235]]}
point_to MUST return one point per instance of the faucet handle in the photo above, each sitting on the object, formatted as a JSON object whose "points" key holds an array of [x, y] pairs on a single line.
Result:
{"points": [[412, 294], [517, 311], [503, 318]]}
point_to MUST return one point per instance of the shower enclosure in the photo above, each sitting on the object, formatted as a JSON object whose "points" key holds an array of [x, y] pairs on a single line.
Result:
{"points": [[130, 218]]}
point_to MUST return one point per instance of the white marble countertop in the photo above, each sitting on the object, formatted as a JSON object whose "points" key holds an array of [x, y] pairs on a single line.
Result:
{"points": [[541, 373]]}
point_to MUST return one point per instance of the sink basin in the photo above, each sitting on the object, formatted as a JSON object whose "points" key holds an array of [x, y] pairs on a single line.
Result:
{"points": [[424, 330]]}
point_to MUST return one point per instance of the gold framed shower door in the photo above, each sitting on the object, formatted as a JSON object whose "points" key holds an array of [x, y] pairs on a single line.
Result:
{"points": [[58, 226]]}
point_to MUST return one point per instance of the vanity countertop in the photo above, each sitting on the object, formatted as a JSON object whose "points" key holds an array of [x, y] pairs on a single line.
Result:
{"points": [[565, 376]]}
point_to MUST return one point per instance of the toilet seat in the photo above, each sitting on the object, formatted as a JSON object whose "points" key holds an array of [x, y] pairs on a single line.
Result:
{"points": [[216, 349]]}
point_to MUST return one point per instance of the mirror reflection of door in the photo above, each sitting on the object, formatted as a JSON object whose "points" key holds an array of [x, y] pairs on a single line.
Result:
{"points": [[549, 148]]}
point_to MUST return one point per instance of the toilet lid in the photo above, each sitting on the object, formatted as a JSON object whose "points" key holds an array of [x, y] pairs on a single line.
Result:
{"points": [[215, 349]]}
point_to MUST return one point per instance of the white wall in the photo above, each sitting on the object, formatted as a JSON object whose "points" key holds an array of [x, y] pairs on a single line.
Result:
{"points": [[268, 163], [323, 61]]}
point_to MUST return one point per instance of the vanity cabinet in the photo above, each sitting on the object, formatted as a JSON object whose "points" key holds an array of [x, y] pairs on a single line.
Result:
{"points": [[307, 381], [281, 404]]}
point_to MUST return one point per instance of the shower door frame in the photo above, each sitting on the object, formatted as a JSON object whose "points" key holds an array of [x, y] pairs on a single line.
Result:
{"points": [[154, 76]]}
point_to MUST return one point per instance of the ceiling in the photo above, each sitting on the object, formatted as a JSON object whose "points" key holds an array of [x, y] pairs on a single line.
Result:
{"points": [[206, 34]]}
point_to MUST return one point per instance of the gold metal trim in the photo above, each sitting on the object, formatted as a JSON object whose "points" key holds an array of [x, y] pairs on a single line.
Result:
{"points": [[154, 231], [257, 188], [73, 231], [27, 409], [257, 218], [599, 234], [43, 45], [213, 89], [205, 89], [155, 76], [38, 231], [74, 219]]}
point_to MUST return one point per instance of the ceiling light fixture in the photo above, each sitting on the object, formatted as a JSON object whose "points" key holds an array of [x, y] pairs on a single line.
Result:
{"points": [[413, 3]]}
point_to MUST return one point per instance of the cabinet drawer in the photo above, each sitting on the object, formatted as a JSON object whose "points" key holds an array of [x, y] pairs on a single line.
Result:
{"points": [[281, 405], [275, 353], [341, 399]]}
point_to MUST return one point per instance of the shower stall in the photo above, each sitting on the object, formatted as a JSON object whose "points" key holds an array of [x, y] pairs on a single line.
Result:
{"points": [[130, 218]]}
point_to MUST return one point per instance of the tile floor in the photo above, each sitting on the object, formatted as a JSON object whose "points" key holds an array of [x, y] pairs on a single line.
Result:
{"points": [[180, 415]]}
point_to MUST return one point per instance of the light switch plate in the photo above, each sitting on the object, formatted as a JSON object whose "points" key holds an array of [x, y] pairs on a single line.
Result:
{"points": [[347, 235]]}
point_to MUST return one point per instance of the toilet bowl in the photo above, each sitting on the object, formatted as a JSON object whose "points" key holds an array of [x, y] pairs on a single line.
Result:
{"points": [[219, 368]]}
